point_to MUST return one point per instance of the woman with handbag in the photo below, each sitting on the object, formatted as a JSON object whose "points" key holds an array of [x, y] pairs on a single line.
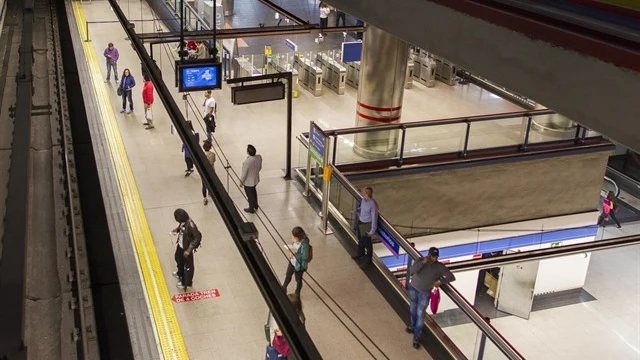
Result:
{"points": [[127, 82]]}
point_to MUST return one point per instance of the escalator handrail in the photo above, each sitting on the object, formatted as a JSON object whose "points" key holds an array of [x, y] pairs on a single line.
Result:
{"points": [[448, 289], [541, 254], [615, 185]]}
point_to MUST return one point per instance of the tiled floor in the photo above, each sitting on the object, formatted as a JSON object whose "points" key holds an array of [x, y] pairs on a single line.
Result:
{"points": [[605, 328]]}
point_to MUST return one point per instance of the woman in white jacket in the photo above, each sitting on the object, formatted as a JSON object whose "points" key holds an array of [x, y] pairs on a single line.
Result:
{"points": [[325, 10]]}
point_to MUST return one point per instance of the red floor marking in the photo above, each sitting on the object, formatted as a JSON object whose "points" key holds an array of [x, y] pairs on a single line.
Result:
{"points": [[196, 295]]}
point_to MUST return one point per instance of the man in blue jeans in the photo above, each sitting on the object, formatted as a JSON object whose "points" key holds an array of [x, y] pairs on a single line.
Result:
{"points": [[426, 274]]}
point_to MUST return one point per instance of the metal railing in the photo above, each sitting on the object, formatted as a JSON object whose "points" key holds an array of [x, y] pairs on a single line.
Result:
{"points": [[339, 206], [520, 133]]}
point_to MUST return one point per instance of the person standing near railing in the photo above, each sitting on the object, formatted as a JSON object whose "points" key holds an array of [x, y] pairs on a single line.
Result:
{"points": [[426, 274], [367, 213]]}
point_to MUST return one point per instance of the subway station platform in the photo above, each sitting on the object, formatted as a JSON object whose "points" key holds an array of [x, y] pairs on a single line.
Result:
{"points": [[347, 317]]}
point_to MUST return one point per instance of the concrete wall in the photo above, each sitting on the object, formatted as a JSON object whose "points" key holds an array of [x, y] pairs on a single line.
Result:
{"points": [[491, 194]]}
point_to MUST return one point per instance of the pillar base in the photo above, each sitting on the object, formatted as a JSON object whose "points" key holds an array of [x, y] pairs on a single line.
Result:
{"points": [[374, 154]]}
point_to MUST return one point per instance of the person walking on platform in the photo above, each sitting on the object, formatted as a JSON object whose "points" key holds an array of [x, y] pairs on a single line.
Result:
{"points": [[187, 155], [367, 216], [126, 86], [250, 177], [187, 242], [112, 55], [211, 156], [209, 114], [147, 99], [298, 259], [426, 274], [609, 209]]}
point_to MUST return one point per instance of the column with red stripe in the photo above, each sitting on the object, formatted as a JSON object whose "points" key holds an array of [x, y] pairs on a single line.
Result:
{"points": [[383, 70]]}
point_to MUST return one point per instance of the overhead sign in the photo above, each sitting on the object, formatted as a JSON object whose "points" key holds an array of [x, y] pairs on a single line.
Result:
{"points": [[196, 295], [249, 94], [291, 45], [387, 239], [316, 144]]}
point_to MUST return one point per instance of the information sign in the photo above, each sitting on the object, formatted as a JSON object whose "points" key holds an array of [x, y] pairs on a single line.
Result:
{"points": [[387, 239], [316, 144], [195, 77], [291, 45], [196, 295]]}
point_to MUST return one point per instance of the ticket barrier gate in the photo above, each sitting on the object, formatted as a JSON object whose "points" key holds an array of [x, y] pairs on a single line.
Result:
{"points": [[408, 82], [283, 65], [309, 75], [353, 74], [334, 74], [242, 67], [445, 71], [424, 71]]}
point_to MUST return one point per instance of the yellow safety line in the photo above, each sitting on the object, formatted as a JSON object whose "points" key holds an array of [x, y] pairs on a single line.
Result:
{"points": [[158, 298]]}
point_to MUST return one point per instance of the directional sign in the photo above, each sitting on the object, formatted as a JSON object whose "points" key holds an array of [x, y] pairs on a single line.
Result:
{"points": [[196, 295], [316, 144], [385, 236], [291, 45]]}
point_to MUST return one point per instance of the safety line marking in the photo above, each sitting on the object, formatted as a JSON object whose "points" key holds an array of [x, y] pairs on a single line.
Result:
{"points": [[165, 323]]}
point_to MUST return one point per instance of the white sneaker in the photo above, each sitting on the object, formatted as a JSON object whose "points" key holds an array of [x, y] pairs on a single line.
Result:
{"points": [[175, 275], [180, 285]]}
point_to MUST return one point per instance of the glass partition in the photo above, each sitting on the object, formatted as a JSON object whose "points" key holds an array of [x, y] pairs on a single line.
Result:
{"points": [[518, 131], [474, 334]]}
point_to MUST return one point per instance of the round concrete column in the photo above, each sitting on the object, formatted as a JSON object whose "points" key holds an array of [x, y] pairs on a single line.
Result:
{"points": [[383, 69]]}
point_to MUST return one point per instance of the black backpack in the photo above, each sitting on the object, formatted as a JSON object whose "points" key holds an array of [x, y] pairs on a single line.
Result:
{"points": [[210, 122]]}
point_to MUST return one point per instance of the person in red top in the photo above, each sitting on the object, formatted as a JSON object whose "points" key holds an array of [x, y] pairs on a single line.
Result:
{"points": [[147, 98]]}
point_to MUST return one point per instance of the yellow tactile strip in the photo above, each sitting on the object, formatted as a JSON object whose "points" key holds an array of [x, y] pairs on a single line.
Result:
{"points": [[158, 298]]}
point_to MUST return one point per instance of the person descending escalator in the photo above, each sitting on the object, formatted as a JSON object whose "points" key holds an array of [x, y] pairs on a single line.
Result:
{"points": [[609, 210], [426, 274]]}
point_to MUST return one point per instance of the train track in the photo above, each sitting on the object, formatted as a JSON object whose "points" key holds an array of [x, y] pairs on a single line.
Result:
{"points": [[46, 306]]}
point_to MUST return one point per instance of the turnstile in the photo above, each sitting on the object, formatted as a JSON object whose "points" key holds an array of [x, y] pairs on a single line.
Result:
{"points": [[309, 75], [445, 71], [353, 73], [424, 70], [408, 82], [283, 65], [242, 67], [334, 74]]}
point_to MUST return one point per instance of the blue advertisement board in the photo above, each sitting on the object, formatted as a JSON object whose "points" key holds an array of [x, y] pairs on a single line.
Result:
{"points": [[387, 239], [316, 144]]}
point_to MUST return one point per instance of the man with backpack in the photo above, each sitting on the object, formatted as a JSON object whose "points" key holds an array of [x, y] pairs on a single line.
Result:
{"points": [[187, 242]]}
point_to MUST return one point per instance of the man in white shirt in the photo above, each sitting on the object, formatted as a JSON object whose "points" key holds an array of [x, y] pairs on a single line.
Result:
{"points": [[209, 114]]}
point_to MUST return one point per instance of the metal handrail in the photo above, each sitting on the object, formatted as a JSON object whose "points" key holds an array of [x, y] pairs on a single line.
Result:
{"points": [[448, 289], [428, 123]]}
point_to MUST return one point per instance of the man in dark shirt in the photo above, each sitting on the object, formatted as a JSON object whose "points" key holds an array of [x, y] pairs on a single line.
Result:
{"points": [[426, 274]]}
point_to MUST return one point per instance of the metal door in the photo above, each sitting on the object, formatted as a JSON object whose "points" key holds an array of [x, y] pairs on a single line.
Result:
{"points": [[515, 288]]}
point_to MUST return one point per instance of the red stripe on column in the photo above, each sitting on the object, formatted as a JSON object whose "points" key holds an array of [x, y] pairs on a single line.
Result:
{"points": [[378, 118], [374, 108]]}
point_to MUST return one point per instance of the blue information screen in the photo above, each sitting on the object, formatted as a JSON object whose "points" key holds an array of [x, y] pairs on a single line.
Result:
{"points": [[316, 144], [200, 77]]}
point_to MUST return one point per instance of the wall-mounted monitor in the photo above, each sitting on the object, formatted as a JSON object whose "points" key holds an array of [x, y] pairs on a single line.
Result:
{"points": [[199, 76]]}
